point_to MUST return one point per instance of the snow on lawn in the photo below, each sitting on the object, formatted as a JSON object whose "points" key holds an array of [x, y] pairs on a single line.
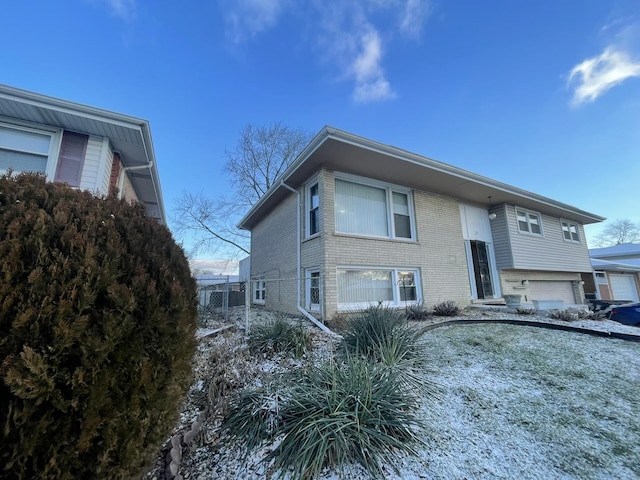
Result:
{"points": [[513, 402], [525, 402]]}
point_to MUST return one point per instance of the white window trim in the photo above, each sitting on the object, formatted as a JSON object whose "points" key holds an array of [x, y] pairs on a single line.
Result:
{"points": [[600, 280], [529, 212], [569, 223], [395, 284], [54, 145], [314, 307], [307, 211], [256, 285], [389, 189]]}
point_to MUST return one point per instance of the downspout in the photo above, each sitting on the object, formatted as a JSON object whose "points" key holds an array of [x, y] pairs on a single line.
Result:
{"points": [[313, 319], [128, 169]]}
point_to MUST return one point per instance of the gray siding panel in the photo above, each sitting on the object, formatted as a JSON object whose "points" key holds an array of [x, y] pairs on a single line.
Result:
{"points": [[501, 241], [549, 251]]}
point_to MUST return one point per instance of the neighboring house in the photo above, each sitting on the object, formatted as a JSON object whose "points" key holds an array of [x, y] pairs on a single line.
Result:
{"points": [[206, 284], [366, 223], [82, 146], [616, 274]]}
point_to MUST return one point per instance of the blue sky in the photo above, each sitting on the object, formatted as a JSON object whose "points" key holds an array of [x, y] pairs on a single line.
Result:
{"points": [[544, 95]]}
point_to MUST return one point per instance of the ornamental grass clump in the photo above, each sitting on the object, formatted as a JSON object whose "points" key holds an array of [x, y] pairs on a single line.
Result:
{"points": [[279, 335], [346, 413], [383, 336], [97, 323], [329, 416]]}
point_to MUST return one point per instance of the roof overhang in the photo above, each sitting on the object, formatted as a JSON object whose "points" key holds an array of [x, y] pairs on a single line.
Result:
{"points": [[129, 136], [609, 266], [337, 150]]}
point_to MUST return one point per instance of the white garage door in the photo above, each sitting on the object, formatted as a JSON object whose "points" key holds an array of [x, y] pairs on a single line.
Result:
{"points": [[623, 287], [551, 290]]}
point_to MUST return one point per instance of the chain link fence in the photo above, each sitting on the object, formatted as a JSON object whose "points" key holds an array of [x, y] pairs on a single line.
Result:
{"points": [[263, 298]]}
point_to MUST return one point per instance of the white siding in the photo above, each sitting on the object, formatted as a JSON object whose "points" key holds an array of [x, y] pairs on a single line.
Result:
{"points": [[89, 180], [104, 171]]}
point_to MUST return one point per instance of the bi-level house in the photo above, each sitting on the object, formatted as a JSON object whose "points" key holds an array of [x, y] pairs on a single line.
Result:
{"points": [[85, 147], [366, 223]]}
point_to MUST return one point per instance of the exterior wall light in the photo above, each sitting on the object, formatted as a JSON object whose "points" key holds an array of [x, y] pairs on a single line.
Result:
{"points": [[525, 282]]}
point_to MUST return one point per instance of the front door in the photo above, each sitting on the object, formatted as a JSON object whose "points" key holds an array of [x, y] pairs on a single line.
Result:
{"points": [[481, 269]]}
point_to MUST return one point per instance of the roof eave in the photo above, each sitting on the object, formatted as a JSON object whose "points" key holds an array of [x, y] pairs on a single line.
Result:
{"points": [[328, 133]]}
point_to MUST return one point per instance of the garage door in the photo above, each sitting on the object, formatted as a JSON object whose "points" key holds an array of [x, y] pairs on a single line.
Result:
{"points": [[623, 287], [551, 290]]}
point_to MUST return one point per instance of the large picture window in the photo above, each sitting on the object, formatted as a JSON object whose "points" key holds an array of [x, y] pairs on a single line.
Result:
{"points": [[362, 287], [375, 210]]}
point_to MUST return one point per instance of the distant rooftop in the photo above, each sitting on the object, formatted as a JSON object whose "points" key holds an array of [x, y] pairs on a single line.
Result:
{"points": [[622, 249]]}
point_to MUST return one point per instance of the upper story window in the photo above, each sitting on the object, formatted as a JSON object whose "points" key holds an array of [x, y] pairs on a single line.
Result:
{"points": [[313, 209], [373, 209], [528, 222], [24, 150], [570, 231]]}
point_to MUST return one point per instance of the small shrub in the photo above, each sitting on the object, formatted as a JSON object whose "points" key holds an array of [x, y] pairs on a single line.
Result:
{"points": [[417, 312], [342, 414], [448, 308], [97, 331], [279, 335], [567, 314], [526, 311], [338, 321]]}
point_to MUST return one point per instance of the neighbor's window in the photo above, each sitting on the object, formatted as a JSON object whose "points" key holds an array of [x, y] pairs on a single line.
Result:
{"points": [[362, 287], [313, 202], [23, 150], [259, 291], [528, 222], [570, 231], [374, 210], [71, 158]]}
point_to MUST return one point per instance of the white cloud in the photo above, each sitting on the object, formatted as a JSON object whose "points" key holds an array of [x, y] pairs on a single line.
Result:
{"points": [[413, 17], [125, 9], [596, 75], [351, 37], [247, 18], [371, 84]]}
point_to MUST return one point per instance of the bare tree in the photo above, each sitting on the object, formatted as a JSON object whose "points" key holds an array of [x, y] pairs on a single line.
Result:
{"points": [[618, 232], [260, 156]]}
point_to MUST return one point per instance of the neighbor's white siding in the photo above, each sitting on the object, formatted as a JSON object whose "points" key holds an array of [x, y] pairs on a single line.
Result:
{"points": [[89, 179], [104, 171]]}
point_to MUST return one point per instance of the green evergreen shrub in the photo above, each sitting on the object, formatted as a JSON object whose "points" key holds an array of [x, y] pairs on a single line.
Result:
{"points": [[97, 321]]}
